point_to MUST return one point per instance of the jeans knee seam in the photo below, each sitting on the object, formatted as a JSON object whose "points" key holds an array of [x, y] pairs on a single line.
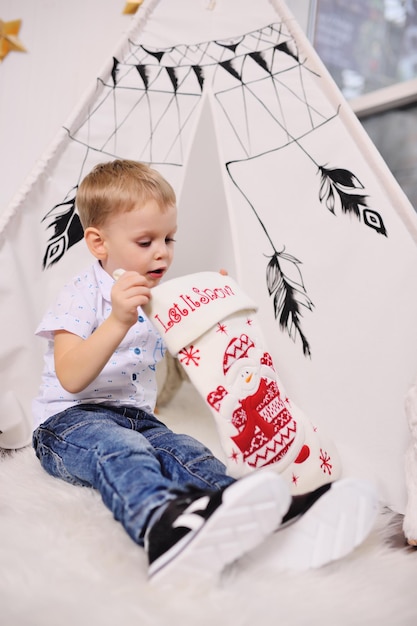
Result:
{"points": [[187, 466]]}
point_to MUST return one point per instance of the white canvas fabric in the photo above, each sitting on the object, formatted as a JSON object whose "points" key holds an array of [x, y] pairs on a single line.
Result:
{"points": [[276, 181]]}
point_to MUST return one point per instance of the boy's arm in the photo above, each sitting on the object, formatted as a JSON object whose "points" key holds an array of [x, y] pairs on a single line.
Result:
{"points": [[79, 361]]}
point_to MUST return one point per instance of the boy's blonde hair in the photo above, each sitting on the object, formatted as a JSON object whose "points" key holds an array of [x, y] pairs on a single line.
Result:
{"points": [[119, 186]]}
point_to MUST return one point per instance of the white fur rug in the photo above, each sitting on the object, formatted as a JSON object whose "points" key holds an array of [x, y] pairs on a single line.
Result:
{"points": [[65, 561]]}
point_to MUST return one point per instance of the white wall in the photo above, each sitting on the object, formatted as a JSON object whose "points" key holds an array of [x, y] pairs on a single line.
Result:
{"points": [[67, 44]]}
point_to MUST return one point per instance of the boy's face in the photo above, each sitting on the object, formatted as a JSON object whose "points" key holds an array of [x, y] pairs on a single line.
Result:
{"points": [[141, 240]]}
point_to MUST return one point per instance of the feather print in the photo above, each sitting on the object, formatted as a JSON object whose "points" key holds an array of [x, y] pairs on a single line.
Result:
{"points": [[67, 231], [288, 296]]}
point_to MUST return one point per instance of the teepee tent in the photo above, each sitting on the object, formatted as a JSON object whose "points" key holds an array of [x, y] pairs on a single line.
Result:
{"points": [[276, 181]]}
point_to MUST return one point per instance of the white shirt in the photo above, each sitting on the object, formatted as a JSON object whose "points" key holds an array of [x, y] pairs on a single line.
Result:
{"points": [[127, 379]]}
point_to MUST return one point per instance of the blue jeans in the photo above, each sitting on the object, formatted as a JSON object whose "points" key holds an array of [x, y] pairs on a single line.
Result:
{"points": [[136, 463]]}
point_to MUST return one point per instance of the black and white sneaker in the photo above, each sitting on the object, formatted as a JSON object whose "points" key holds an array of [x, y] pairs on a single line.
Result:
{"points": [[199, 534], [321, 526]]}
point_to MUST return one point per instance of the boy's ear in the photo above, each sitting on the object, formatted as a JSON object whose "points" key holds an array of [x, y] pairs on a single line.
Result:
{"points": [[95, 242]]}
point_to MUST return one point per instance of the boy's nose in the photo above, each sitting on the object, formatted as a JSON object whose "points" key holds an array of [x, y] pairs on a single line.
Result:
{"points": [[161, 250]]}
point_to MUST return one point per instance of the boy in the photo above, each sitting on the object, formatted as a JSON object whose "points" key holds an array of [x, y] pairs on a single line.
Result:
{"points": [[94, 422]]}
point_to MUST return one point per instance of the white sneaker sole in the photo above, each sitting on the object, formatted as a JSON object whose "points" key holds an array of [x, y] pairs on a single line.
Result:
{"points": [[251, 510], [333, 527]]}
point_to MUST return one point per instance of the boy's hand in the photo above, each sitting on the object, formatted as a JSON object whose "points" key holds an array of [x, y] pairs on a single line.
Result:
{"points": [[128, 293]]}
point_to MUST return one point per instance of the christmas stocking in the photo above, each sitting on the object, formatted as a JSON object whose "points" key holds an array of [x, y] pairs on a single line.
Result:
{"points": [[211, 326]]}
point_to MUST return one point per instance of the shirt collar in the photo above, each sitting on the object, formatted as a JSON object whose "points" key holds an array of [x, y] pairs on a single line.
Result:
{"points": [[104, 281]]}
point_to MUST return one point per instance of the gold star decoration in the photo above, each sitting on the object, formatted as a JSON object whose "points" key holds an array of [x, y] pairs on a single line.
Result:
{"points": [[132, 7], [9, 40]]}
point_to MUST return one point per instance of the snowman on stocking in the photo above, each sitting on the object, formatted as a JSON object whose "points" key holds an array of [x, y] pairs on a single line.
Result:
{"points": [[211, 326]]}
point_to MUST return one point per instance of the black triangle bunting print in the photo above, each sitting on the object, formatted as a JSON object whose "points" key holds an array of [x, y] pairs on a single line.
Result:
{"points": [[260, 60], [284, 47], [157, 54], [198, 71], [143, 73], [173, 77], [228, 66], [114, 71]]}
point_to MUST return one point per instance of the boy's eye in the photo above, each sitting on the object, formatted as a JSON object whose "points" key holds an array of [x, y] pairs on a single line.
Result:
{"points": [[148, 242]]}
